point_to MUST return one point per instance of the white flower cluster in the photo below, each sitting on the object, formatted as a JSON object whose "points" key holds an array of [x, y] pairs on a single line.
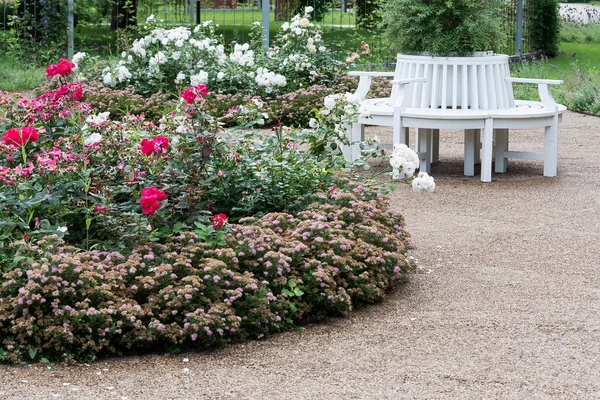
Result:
{"points": [[184, 57], [423, 182], [404, 160], [340, 112], [268, 80], [242, 55]]}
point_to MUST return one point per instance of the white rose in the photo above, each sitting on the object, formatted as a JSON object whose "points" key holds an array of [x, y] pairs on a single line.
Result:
{"points": [[78, 57], [311, 48], [93, 138], [308, 9], [313, 123], [304, 22], [220, 75]]}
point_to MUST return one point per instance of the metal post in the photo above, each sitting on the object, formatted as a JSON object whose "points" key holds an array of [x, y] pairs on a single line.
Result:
{"points": [[192, 3], [266, 17], [519, 37], [70, 29]]}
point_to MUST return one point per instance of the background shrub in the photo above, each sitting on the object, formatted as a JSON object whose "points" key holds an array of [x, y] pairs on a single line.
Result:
{"points": [[441, 27], [543, 26]]}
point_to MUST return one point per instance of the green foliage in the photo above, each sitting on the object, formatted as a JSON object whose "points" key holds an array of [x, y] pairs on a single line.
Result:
{"points": [[579, 92], [443, 27], [580, 33], [543, 26]]}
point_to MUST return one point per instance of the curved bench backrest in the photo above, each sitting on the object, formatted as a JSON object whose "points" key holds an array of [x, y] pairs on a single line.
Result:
{"points": [[457, 82]]}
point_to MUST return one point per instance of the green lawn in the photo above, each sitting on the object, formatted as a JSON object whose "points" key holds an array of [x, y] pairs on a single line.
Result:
{"points": [[241, 16], [18, 76]]}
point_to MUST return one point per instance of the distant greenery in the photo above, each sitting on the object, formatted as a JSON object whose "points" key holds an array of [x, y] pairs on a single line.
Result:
{"points": [[459, 27], [16, 76], [578, 33], [577, 66]]}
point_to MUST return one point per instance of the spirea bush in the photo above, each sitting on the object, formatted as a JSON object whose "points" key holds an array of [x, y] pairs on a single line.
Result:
{"points": [[344, 250]]}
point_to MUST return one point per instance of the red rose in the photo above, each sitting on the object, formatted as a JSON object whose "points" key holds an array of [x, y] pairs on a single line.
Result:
{"points": [[188, 95], [150, 200], [51, 70], [147, 147], [218, 220], [193, 93], [161, 143], [201, 89], [64, 67], [19, 137], [156, 145]]}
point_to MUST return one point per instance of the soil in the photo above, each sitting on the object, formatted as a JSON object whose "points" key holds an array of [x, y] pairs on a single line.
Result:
{"points": [[507, 304]]}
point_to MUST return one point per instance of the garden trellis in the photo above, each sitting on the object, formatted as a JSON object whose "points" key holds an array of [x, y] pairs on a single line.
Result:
{"points": [[79, 24]]}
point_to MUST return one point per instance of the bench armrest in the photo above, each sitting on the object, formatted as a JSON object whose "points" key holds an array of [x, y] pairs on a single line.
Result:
{"points": [[407, 81], [371, 73], [543, 89], [364, 84], [538, 81], [400, 98]]}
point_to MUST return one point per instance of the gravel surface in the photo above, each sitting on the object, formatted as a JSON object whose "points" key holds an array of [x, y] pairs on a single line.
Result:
{"points": [[507, 306]]}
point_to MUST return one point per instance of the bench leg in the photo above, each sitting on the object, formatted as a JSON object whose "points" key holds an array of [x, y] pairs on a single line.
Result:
{"points": [[404, 137], [551, 148], [486, 150], [356, 134], [470, 146], [500, 149], [435, 146], [423, 146], [399, 133], [477, 146]]}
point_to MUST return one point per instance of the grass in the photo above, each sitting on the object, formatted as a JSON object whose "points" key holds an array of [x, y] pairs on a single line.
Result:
{"points": [[578, 33], [17, 76], [240, 16]]}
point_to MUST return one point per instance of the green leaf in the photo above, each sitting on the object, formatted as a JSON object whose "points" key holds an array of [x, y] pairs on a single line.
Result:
{"points": [[291, 283], [32, 353], [44, 360], [293, 307], [287, 292]]}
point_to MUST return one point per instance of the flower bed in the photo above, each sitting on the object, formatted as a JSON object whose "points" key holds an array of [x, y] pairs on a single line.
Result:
{"points": [[346, 249], [125, 234]]}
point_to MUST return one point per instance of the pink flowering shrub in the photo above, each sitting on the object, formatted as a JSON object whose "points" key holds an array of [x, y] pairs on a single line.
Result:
{"points": [[346, 249]]}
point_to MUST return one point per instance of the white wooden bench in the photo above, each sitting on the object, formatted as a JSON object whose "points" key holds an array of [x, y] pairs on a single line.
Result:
{"points": [[473, 94]]}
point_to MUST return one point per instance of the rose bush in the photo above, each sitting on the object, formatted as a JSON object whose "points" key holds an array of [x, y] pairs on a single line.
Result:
{"points": [[179, 57]]}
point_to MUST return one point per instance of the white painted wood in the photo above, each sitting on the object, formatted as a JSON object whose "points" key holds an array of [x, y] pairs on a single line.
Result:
{"points": [[424, 142], [486, 150], [500, 150], [473, 93], [469, 152]]}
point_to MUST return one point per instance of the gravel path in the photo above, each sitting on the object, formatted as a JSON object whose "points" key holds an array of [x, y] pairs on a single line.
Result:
{"points": [[510, 308]]}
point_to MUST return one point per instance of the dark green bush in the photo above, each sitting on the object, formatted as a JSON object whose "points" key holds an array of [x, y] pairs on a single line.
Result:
{"points": [[442, 27], [543, 24]]}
